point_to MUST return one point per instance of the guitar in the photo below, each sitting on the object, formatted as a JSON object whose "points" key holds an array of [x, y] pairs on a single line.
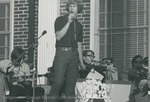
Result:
{"points": [[9, 79], [21, 79]]}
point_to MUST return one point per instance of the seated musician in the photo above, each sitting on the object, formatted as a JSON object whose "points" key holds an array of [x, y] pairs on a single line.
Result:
{"points": [[16, 69], [88, 56], [110, 75], [135, 75]]}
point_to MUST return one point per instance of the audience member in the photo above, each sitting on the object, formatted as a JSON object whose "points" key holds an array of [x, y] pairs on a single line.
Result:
{"points": [[110, 75], [135, 75]]}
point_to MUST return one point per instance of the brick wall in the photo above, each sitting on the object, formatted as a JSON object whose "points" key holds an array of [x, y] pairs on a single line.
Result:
{"points": [[21, 14], [21, 17], [21, 23], [84, 18]]}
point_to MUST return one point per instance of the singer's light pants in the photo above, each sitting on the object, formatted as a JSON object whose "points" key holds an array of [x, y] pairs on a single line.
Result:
{"points": [[65, 67]]}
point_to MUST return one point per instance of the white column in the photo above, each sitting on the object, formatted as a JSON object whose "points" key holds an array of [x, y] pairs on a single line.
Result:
{"points": [[48, 12], [149, 49], [94, 26], [12, 27], [149, 40]]}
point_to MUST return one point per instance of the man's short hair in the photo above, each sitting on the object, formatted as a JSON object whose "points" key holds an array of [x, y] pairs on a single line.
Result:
{"points": [[86, 51], [78, 2], [109, 58], [16, 53]]}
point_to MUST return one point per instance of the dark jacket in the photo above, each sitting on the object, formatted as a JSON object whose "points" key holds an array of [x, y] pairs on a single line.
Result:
{"points": [[100, 69]]}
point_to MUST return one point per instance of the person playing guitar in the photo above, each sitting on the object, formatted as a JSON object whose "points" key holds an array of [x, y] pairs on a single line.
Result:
{"points": [[16, 68]]}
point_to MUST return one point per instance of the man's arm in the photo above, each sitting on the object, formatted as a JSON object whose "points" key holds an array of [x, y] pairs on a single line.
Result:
{"points": [[61, 33], [4, 64], [80, 55], [27, 70]]}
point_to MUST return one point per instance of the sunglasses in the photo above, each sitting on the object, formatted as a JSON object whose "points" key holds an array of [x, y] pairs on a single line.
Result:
{"points": [[91, 56]]}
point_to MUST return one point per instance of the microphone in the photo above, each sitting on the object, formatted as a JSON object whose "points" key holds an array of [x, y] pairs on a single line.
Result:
{"points": [[72, 15], [44, 32]]}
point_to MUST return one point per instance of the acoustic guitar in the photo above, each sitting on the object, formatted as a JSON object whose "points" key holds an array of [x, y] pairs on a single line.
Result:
{"points": [[9, 79]]}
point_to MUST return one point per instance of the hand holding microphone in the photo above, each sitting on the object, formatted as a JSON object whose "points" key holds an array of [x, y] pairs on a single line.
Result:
{"points": [[71, 17]]}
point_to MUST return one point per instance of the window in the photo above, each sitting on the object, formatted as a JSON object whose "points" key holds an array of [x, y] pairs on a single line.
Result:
{"points": [[5, 29], [123, 31]]}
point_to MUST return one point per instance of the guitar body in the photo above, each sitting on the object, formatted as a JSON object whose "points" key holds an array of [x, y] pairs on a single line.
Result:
{"points": [[23, 80], [8, 80]]}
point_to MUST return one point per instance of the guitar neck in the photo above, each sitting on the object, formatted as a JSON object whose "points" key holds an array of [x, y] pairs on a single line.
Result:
{"points": [[2, 72], [29, 76]]}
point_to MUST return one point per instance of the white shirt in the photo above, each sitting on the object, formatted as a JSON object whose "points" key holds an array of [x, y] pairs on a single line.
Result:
{"points": [[22, 70]]}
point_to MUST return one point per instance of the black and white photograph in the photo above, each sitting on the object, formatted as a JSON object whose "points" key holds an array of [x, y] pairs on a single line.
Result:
{"points": [[74, 51]]}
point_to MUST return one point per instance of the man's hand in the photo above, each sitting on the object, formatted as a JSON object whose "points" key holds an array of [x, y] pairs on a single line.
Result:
{"points": [[20, 79], [17, 84], [142, 84], [111, 68], [71, 17], [82, 66]]}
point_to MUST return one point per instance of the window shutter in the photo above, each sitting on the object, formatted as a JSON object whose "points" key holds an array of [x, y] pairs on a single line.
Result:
{"points": [[4, 30], [123, 30]]}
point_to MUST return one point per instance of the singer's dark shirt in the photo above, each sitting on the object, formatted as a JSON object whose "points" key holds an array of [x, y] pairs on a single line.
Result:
{"points": [[69, 39]]}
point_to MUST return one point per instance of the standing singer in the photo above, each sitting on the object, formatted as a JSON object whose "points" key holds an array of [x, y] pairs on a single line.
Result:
{"points": [[68, 52]]}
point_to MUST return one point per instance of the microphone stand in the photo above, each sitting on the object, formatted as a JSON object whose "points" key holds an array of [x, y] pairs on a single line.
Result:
{"points": [[43, 33], [34, 71]]}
